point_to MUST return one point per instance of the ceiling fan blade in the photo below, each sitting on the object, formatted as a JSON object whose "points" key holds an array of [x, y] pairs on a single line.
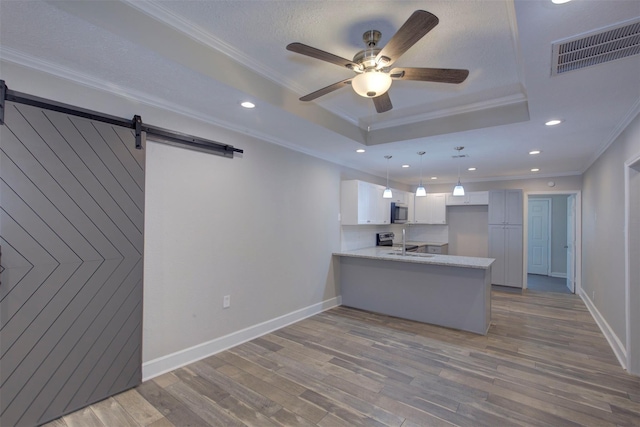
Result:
{"points": [[382, 103], [440, 75], [416, 27], [303, 49], [325, 90]]}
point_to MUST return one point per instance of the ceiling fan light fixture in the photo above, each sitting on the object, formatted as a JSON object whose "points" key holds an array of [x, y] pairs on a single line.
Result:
{"points": [[371, 83]]}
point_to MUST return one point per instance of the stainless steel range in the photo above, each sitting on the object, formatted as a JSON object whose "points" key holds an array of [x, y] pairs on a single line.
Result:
{"points": [[386, 239]]}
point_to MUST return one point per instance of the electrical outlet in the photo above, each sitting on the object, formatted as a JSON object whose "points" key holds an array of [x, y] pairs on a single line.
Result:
{"points": [[593, 296], [226, 301]]}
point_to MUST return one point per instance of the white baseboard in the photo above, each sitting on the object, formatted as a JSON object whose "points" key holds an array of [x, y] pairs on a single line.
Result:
{"points": [[616, 345], [168, 363], [561, 275]]}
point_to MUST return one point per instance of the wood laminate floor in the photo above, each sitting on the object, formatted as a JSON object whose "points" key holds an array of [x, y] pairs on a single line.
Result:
{"points": [[544, 362]]}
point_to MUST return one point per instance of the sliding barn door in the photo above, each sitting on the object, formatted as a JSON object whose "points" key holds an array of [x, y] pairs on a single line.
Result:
{"points": [[72, 200]]}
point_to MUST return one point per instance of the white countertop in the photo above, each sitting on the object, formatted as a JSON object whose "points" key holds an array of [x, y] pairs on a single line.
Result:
{"points": [[388, 254]]}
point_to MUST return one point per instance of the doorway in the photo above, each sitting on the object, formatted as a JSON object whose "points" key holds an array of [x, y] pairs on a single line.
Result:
{"points": [[632, 249], [552, 243]]}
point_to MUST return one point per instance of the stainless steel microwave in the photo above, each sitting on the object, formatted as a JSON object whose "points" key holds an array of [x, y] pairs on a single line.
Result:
{"points": [[399, 213]]}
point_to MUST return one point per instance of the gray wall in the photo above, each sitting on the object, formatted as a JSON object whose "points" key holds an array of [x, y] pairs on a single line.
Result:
{"points": [[603, 235]]}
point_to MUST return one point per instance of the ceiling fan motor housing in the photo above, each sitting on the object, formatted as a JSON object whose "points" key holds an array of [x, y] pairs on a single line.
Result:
{"points": [[367, 58]]}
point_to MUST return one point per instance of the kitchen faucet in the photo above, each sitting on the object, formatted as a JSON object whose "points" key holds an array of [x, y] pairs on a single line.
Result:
{"points": [[404, 243]]}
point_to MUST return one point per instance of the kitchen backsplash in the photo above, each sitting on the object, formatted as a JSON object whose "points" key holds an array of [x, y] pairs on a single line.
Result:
{"points": [[364, 236]]}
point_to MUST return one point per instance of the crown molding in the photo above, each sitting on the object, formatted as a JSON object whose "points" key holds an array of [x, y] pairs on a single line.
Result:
{"points": [[447, 112], [615, 133], [24, 60], [162, 14]]}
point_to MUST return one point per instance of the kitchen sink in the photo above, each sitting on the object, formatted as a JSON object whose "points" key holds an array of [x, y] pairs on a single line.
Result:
{"points": [[421, 255]]}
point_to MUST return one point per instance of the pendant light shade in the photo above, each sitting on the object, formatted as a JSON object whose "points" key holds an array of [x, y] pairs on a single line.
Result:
{"points": [[387, 191], [421, 191], [458, 190]]}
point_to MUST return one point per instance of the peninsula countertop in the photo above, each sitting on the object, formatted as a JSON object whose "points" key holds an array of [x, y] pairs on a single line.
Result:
{"points": [[388, 254]]}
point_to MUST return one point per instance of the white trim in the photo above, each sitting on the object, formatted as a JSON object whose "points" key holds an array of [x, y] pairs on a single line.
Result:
{"points": [[578, 233], [559, 275], [164, 364], [448, 112], [627, 271], [622, 125], [615, 343]]}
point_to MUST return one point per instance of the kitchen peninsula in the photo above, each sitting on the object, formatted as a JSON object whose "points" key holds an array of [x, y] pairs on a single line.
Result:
{"points": [[445, 290]]}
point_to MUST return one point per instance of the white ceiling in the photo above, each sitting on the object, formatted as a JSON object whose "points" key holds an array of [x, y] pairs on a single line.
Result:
{"points": [[202, 58]]}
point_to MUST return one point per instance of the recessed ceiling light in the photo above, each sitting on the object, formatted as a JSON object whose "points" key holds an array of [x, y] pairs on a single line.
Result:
{"points": [[560, 1], [535, 170], [434, 177], [535, 152], [553, 122], [471, 169], [360, 150], [405, 166], [247, 104]]}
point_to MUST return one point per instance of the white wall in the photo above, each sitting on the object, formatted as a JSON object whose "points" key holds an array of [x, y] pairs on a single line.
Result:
{"points": [[603, 234]]}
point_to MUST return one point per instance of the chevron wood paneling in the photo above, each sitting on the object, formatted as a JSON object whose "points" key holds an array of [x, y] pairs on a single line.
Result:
{"points": [[71, 229]]}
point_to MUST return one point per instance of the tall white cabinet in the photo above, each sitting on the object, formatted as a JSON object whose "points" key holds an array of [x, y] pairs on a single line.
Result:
{"points": [[505, 237]]}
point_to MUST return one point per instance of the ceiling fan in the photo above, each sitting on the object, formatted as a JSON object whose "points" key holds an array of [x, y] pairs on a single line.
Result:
{"points": [[372, 65]]}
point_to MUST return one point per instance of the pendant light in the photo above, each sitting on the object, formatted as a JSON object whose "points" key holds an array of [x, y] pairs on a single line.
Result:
{"points": [[458, 190], [387, 191], [420, 191]]}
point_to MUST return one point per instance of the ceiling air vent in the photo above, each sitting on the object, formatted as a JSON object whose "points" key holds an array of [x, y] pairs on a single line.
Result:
{"points": [[603, 45]]}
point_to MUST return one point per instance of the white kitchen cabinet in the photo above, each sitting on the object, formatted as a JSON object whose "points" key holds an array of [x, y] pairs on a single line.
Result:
{"points": [[505, 246], [362, 203], [505, 207], [399, 197], [431, 209], [469, 199]]}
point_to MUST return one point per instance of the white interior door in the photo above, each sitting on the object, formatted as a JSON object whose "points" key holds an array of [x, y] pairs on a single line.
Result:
{"points": [[571, 243], [539, 236]]}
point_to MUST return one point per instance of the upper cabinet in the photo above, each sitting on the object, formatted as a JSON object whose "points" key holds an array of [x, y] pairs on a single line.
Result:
{"points": [[431, 209], [470, 198], [362, 203], [399, 197], [505, 207]]}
